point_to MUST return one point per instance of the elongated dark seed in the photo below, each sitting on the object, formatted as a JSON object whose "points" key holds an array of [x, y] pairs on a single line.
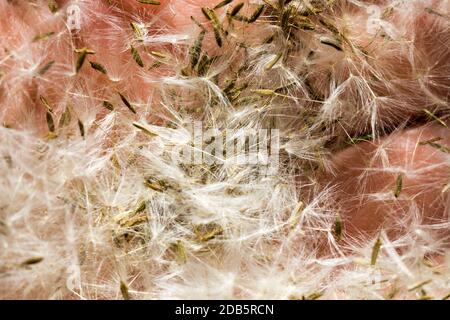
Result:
{"points": [[32, 261], [153, 2], [259, 10], [108, 105], [43, 36], [375, 252], [50, 122], [81, 127], [99, 67], [45, 68], [124, 291], [398, 185], [222, 4], [127, 103], [80, 61], [137, 57], [65, 118], [236, 9], [338, 228], [196, 49]]}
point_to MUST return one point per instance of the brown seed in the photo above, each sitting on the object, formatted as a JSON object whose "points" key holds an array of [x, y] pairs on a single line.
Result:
{"points": [[127, 103], [99, 67], [124, 291], [375, 252], [222, 4], [153, 2], [136, 57]]}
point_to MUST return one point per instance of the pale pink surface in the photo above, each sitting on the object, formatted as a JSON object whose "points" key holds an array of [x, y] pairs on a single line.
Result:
{"points": [[366, 178]]}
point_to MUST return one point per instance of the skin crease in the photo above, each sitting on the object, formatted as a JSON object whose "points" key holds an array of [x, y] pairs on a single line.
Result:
{"points": [[355, 168]]}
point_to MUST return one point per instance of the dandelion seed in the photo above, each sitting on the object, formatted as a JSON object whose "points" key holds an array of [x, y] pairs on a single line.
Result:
{"points": [[43, 36], [332, 42], [4, 229], [306, 24], [313, 296], [88, 51], [295, 218], [115, 161], [204, 65], [138, 32], [311, 9], [124, 291], [82, 54], [156, 185], [264, 92], [141, 207], [46, 103], [208, 232], [269, 39], [50, 122], [196, 49], [180, 252], [434, 117], [430, 141], [432, 11], [236, 9], [392, 293], [6, 125], [387, 13], [231, 84], [420, 285], [153, 2], [52, 5], [435, 145], [45, 68], [211, 16], [398, 185], [267, 2], [99, 67], [145, 129], [81, 128], [256, 14], [108, 105], [338, 228], [222, 4], [80, 61], [32, 261], [446, 297], [135, 221], [365, 138], [198, 23], [274, 61], [375, 252], [127, 103], [66, 117], [159, 55], [155, 65], [424, 296], [136, 57], [329, 25]]}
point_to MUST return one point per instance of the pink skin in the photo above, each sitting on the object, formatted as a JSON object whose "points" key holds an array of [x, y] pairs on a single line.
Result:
{"points": [[426, 171], [366, 182]]}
